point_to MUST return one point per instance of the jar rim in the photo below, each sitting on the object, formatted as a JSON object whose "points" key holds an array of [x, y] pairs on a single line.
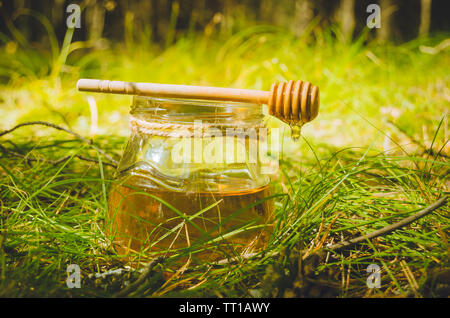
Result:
{"points": [[187, 111], [146, 102]]}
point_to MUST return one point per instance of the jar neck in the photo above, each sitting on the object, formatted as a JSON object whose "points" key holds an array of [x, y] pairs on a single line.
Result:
{"points": [[185, 111]]}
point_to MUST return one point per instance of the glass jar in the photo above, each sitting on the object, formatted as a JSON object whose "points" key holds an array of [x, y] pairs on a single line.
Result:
{"points": [[193, 180]]}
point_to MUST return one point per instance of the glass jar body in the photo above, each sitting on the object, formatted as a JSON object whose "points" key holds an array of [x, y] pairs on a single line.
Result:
{"points": [[190, 183]]}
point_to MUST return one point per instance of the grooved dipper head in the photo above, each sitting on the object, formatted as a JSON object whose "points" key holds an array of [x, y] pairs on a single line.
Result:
{"points": [[294, 101]]}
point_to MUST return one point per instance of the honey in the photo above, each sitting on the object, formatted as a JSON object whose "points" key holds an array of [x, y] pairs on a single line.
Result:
{"points": [[220, 224]]}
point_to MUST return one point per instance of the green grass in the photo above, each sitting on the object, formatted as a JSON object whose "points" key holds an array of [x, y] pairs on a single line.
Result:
{"points": [[363, 163]]}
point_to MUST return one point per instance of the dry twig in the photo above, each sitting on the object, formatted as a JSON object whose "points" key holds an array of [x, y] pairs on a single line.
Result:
{"points": [[145, 274], [78, 136], [346, 244]]}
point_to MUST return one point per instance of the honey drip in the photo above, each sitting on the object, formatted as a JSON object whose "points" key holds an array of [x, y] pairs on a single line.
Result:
{"points": [[296, 130]]}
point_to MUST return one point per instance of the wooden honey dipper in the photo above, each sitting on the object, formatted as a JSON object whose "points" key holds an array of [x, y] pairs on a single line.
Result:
{"points": [[293, 102]]}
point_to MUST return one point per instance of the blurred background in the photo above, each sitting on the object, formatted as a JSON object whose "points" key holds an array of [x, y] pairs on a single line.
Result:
{"points": [[370, 78], [163, 21]]}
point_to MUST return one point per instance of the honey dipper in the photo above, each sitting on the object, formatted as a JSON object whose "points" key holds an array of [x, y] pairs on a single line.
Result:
{"points": [[292, 101]]}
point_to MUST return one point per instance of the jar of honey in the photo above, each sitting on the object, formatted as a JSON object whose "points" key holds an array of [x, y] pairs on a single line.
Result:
{"points": [[193, 181]]}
